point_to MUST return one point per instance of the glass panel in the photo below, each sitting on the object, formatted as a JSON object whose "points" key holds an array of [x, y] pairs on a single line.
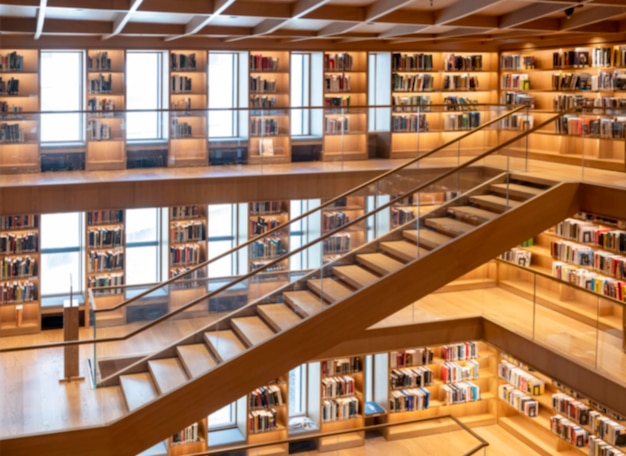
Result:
{"points": [[143, 92]]}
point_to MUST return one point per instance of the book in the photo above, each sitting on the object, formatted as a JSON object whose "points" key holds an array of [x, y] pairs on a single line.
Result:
{"points": [[266, 146]]}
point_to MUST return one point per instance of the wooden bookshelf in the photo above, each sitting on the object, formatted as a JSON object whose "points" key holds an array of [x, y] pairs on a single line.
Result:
{"points": [[19, 100], [270, 134], [20, 305], [345, 94], [105, 133], [105, 254], [335, 216], [268, 416], [192, 439], [187, 247], [263, 216], [188, 97]]}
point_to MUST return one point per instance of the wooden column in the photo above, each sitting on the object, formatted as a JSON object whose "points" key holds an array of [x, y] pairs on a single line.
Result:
{"points": [[71, 369]]}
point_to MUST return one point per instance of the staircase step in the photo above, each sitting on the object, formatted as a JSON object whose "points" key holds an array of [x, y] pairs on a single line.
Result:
{"points": [[448, 225], [167, 374], [279, 316], [305, 302], [494, 202], [471, 214], [138, 389], [330, 289], [355, 275], [403, 250], [515, 190], [253, 330], [224, 343], [428, 239], [379, 262], [196, 359]]}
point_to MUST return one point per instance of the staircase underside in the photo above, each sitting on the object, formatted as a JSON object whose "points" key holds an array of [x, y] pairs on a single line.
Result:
{"points": [[314, 336]]}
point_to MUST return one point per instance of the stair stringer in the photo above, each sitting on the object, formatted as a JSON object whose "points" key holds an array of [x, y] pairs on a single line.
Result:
{"points": [[192, 401]]}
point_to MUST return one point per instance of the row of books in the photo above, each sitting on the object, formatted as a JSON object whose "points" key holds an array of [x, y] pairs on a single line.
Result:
{"points": [[267, 126], [262, 224], [101, 104], [98, 130], [412, 357], [519, 122], [569, 431], [337, 243], [189, 434], [105, 237], [266, 207], [336, 125], [11, 133], [412, 83], [518, 256], [589, 233], [413, 103], [105, 216], [10, 87], [260, 62], [409, 400], [101, 84], [262, 85], [410, 377], [270, 247], [341, 366], [410, 123], [517, 62], [606, 263], [338, 386], [454, 62], [597, 57], [265, 396], [181, 83], [522, 402], [565, 101], [334, 219], [607, 429], [460, 352], [457, 393], [589, 280], [454, 103], [19, 243], [462, 121], [337, 83], [185, 254], [262, 420], [460, 82], [183, 62], [182, 104], [341, 408], [18, 222], [519, 378], [573, 409], [199, 273], [515, 82], [12, 62], [337, 101], [184, 212], [453, 372], [23, 291], [6, 107], [598, 447], [338, 62], [187, 232], [262, 101], [181, 129], [105, 261], [18, 267], [610, 81], [400, 216], [106, 280], [608, 128], [100, 61], [576, 58], [411, 62]]}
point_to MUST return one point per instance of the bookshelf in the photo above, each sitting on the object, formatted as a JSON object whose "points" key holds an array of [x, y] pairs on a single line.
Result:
{"points": [[187, 247], [333, 217], [19, 98], [592, 78], [105, 133], [268, 416], [263, 216], [270, 134], [104, 262], [345, 95], [20, 310], [466, 79], [188, 97], [192, 439]]}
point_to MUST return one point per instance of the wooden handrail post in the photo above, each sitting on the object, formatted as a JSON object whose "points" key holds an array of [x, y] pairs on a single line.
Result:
{"points": [[71, 366]]}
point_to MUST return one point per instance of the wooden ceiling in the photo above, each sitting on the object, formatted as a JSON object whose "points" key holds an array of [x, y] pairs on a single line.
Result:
{"points": [[310, 24]]}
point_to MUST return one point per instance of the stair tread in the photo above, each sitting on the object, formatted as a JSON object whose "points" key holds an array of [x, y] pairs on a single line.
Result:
{"points": [[196, 359], [494, 201], [281, 316], [471, 214], [404, 250], [138, 389], [355, 275], [516, 189], [167, 373], [427, 238], [225, 343], [330, 289], [253, 329], [449, 225], [305, 301], [379, 262]]}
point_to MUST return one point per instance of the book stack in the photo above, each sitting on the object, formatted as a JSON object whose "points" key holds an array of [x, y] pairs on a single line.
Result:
{"points": [[337, 243], [338, 386], [413, 357], [181, 84], [456, 393], [265, 396], [342, 408], [341, 366], [521, 379], [452, 372], [259, 62], [105, 261], [105, 237], [410, 377], [520, 401], [454, 62], [414, 62], [187, 232], [108, 280], [19, 243], [569, 431], [189, 434], [183, 62], [408, 400], [338, 62], [261, 85], [18, 267], [460, 352], [262, 420], [185, 254], [267, 248], [112, 216]]}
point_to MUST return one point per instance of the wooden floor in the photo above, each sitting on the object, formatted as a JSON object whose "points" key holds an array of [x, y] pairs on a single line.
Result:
{"points": [[33, 400]]}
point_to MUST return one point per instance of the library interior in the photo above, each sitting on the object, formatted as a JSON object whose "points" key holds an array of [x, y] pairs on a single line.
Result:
{"points": [[343, 227]]}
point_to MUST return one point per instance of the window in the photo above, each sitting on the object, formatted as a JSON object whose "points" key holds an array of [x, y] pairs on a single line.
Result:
{"points": [[224, 94], [62, 89], [306, 91], [303, 232], [61, 254], [224, 417], [144, 90], [297, 391], [379, 81], [142, 246]]}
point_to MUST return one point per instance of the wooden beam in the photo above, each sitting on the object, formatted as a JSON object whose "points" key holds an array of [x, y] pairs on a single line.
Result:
{"points": [[382, 7], [122, 19], [41, 15], [403, 29], [198, 22], [586, 16], [531, 13], [463, 9]]}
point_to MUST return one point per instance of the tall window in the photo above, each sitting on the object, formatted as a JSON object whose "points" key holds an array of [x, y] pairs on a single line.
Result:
{"points": [[61, 254], [302, 232], [142, 246], [379, 81], [144, 90], [62, 89], [306, 92], [223, 94]]}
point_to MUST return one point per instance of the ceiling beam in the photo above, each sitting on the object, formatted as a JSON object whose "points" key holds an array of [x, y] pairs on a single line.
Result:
{"points": [[403, 29], [586, 16], [462, 9], [122, 19], [198, 22], [531, 13], [41, 15]]}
